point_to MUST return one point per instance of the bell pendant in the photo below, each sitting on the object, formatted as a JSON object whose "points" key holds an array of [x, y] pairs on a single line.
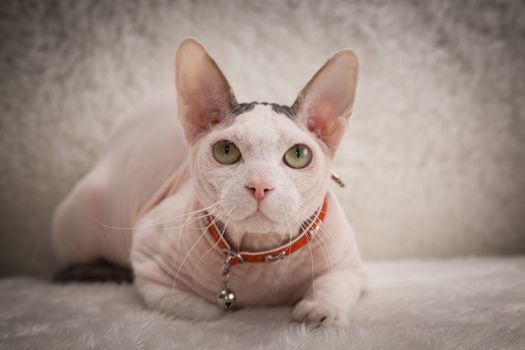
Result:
{"points": [[226, 298]]}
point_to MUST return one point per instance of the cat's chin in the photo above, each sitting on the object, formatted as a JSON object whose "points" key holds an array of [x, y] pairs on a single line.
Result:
{"points": [[258, 215], [259, 223]]}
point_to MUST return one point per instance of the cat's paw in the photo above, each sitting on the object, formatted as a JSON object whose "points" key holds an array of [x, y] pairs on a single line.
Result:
{"points": [[172, 301], [317, 313]]}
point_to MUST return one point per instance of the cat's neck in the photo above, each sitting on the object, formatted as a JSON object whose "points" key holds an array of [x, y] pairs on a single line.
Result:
{"points": [[242, 240]]}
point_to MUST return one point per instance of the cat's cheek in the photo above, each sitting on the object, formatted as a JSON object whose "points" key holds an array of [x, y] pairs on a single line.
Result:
{"points": [[283, 205], [236, 202], [309, 178]]}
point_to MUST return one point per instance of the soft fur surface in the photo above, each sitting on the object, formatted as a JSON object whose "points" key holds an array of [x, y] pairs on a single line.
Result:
{"points": [[433, 156], [454, 304]]}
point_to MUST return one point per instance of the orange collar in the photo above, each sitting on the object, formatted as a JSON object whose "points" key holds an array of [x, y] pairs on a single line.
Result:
{"points": [[274, 254]]}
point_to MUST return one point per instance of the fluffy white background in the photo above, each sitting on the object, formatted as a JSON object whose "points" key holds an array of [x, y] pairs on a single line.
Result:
{"points": [[435, 153], [457, 304]]}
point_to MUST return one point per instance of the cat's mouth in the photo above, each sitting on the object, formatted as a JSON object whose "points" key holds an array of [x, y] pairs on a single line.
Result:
{"points": [[258, 214]]}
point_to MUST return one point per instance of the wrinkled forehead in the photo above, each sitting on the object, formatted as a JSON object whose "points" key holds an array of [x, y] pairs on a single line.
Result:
{"points": [[263, 126]]}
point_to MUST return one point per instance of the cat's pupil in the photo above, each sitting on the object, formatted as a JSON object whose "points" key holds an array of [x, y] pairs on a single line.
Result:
{"points": [[297, 152], [226, 148]]}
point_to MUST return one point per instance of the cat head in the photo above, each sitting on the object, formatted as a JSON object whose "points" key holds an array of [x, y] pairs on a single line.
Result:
{"points": [[262, 167]]}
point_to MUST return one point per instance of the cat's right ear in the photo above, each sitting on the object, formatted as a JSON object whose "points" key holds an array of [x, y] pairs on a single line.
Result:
{"points": [[204, 95], [325, 103]]}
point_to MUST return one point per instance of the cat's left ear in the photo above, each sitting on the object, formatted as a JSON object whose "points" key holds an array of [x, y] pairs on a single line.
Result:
{"points": [[204, 95], [325, 103]]}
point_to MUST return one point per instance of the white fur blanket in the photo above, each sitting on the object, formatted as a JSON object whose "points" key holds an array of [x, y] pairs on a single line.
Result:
{"points": [[451, 304]]}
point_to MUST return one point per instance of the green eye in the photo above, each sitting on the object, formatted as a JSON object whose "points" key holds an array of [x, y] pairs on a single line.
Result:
{"points": [[225, 152], [298, 156]]}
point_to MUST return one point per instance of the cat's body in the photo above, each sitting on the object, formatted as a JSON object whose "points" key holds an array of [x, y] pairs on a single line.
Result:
{"points": [[144, 203], [142, 154]]}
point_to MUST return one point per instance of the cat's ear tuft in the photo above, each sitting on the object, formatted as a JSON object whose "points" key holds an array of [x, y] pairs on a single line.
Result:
{"points": [[325, 103], [204, 95]]}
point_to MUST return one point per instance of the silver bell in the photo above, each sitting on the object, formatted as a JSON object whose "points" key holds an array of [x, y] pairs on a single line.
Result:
{"points": [[226, 298]]}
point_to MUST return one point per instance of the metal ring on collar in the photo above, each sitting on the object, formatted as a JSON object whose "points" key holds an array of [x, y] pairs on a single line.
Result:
{"points": [[231, 254]]}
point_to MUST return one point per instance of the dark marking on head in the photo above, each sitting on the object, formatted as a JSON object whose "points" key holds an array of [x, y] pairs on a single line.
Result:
{"points": [[286, 110], [240, 108]]}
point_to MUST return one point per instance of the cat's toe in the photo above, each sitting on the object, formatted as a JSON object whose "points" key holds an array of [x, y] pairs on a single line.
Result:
{"points": [[316, 313]]}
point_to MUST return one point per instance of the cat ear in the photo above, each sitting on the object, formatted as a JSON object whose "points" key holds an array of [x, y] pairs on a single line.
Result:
{"points": [[325, 103], [204, 96]]}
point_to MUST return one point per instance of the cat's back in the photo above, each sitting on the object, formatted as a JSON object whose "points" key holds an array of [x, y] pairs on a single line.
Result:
{"points": [[142, 152], [144, 149]]}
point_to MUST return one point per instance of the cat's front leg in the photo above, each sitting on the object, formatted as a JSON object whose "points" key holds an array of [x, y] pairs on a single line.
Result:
{"points": [[153, 281], [330, 298], [176, 302]]}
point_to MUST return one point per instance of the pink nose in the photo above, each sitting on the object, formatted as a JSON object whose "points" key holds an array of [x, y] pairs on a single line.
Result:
{"points": [[258, 189]]}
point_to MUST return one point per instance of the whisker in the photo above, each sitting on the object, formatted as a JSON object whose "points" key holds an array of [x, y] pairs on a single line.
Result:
{"points": [[193, 220], [202, 257], [191, 214], [309, 249], [167, 228], [318, 238], [193, 247], [313, 269], [132, 227], [324, 250], [286, 266]]}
